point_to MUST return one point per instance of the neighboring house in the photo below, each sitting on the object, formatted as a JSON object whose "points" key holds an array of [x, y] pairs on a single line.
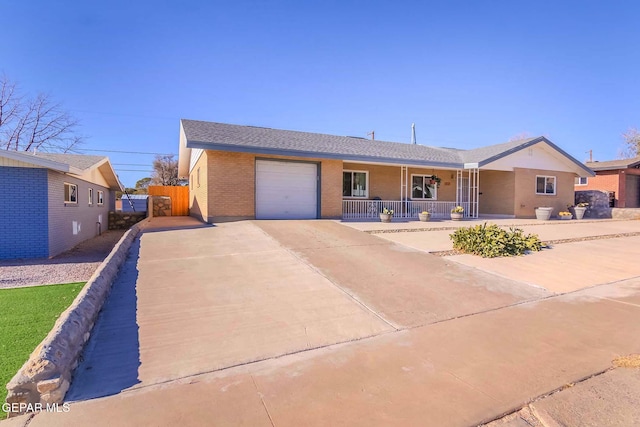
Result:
{"points": [[134, 202], [51, 202], [239, 172], [621, 178]]}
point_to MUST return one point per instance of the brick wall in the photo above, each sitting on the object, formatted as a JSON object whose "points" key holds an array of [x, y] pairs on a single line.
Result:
{"points": [[23, 213], [605, 181], [71, 224], [230, 185], [498, 192], [198, 197], [526, 199]]}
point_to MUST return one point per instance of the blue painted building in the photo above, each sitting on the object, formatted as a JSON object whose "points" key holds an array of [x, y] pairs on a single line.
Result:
{"points": [[49, 203]]}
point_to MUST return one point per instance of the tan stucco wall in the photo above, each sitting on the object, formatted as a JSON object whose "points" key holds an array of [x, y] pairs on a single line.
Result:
{"points": [[231, 185], [498, 192], [526, 199], [384, 181]]}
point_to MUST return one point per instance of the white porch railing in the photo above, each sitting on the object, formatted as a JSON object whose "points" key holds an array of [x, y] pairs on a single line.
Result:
{"points": [[362, 209]]}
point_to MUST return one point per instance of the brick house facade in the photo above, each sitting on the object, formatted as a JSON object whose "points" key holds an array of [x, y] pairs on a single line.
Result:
{"points": [[620, 178]]}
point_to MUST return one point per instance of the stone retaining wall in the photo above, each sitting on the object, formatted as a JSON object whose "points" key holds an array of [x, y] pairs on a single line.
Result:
{"points": [[46, 375], [125, 220], [599, 206], [161, 205]]}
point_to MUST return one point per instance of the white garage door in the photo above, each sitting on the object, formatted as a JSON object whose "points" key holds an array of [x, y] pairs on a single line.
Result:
{"points": [[286, 190]]}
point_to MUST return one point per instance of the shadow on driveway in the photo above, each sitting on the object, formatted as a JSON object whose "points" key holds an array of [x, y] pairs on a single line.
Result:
{"points": [[112, 356]]}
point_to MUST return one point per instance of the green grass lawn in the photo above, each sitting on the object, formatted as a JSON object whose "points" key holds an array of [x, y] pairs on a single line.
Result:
{"points": [[26, 317]]}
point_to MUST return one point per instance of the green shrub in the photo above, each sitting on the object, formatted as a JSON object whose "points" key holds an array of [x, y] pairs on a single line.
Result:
{"points": [[490, 241]]}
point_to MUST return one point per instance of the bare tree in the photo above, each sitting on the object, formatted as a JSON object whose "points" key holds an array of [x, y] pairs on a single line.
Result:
{"points": [[34, 123], [631, 145], [165, 170]]}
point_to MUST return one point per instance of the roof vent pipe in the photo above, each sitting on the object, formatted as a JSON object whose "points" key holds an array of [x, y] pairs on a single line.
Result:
{"points": [[413, 133]]}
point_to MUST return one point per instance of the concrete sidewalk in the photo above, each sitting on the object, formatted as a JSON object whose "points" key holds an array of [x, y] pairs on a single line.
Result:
{"points": [[456, 373], [435, 236]]}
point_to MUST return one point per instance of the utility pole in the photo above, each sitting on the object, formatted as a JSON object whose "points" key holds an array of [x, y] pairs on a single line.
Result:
{"points": [[590, 155], [372, 134]]}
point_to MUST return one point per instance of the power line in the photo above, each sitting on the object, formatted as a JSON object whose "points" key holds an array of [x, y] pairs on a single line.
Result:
{"points": [[134, 170], [130, 164], [128, 152]]}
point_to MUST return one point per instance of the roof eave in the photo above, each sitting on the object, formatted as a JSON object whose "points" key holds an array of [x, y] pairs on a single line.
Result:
{"points": [[314, 154], [534, 141], [38, 161]]}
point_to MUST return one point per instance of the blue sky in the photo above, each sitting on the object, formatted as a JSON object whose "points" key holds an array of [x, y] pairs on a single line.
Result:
{"points": [[467, 73]]}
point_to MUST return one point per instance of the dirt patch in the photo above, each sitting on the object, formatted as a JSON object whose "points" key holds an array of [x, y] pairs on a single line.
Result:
{"points": [[75, 265], [631, 361]]}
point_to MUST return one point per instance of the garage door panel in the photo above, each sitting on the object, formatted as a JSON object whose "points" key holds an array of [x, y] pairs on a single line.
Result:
{"points": [[286, 190]]}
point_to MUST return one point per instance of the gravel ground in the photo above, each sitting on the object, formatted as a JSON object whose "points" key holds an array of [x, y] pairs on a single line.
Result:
{"points": [[75, 265]]}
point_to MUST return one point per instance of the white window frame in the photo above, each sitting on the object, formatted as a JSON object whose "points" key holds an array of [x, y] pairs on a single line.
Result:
{"points": [[100, 198], [435, 187], [555, 185], [366, 190], [579, 180], [198, 178], [75, 187], [90, 196]]}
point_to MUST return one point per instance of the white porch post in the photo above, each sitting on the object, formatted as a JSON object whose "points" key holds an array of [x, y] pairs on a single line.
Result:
{"points": [[474, 192]]}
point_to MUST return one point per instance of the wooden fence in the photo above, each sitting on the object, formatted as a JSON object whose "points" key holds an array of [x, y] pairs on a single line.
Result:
{"points": [[179, 198]]}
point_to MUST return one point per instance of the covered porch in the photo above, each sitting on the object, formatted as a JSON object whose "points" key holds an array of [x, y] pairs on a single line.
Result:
{"points": [[367, 189]]}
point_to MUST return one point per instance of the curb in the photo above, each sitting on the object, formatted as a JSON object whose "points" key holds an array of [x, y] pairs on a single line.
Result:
{"points": [[46, 376]]}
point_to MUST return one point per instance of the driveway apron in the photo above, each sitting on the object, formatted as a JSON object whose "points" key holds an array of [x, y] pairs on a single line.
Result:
{"points": [[405, 286]]}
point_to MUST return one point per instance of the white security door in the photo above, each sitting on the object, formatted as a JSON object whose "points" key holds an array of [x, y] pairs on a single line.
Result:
{"points": [[286, 190]]}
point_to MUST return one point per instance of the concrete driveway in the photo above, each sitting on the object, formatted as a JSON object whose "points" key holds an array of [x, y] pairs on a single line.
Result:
{"points": [[195, 299], [312, 323]]}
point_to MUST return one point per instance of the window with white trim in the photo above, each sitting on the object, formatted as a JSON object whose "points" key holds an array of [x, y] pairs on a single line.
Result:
{"points": [[70, 193], [90, 196], [545, 185], [100, 198], [582, 180], [423, 187], [355, 184], [198, 177]]}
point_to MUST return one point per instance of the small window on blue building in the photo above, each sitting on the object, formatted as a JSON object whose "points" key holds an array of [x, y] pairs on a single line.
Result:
{"points": [[90, 196], [100, 198], [70, 193]]}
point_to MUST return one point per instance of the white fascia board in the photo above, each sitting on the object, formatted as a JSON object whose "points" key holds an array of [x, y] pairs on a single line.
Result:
{"points": [[471, 166]]}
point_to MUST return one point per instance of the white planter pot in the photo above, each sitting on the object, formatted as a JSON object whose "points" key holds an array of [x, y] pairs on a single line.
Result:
{"points": [[386, 217], [544, 213], [424, 217], [579, 211], [456, 216]]}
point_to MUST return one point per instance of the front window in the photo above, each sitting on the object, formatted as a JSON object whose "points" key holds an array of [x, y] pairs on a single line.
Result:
{"points": [[546, 185], [355, 184], [100, 197], [70, 193], [423, 187]]}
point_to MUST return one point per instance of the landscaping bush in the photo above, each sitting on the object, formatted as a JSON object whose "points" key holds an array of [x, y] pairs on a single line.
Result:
{"points": [[490, 241]]}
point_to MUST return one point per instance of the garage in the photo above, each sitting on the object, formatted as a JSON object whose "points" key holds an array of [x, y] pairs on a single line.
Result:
{"points": [[286, 190]]}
